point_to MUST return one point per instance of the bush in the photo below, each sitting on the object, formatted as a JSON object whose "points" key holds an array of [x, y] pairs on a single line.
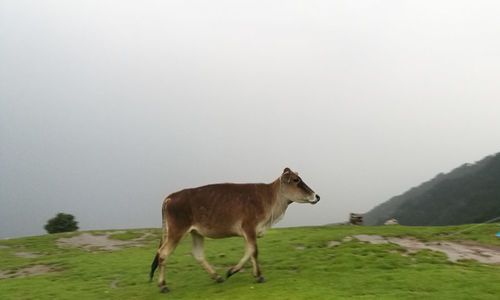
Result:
{"points": [[61, 223]]}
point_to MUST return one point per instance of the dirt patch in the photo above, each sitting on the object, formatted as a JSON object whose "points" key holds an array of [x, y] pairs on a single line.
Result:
{"points": [[27, 254], [27, 271], [3, 247], [144, 236], [453, 250], [333, 244], [114, 284], [373, 239], [92, 242], [115, 232], [474, 243]]}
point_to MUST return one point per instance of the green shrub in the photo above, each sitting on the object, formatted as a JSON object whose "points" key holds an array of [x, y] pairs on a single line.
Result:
{"points": [[61, 223]]}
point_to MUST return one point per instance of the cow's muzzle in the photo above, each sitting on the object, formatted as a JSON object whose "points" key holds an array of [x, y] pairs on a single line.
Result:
{"points": [[316, 199]]}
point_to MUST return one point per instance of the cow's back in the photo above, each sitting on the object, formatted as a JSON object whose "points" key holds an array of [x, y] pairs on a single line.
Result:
{"points": [[220, 210]]}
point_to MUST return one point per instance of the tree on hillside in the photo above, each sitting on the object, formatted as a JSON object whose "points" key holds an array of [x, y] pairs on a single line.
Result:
{"points": [[61, 223]]}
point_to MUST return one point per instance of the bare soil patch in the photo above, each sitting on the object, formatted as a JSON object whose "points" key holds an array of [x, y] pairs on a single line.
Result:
{"points": [[373, 239], [27, 254], [27, 271], [114, 284], [115, 232], [3, 247], [92, 242], [454, 251], [333, 244], [347, 239]]}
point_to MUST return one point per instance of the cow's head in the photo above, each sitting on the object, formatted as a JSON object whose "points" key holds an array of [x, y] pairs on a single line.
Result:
{"points": [[296, 190]]}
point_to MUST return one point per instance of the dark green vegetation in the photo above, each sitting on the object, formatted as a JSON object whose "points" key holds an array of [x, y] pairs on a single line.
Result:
{"points": [[468, 194], [61, 223], [297, 263]]}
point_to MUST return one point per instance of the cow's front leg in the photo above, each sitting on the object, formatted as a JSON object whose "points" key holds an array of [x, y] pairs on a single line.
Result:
{"points": [[254, 254], [251, 252]]}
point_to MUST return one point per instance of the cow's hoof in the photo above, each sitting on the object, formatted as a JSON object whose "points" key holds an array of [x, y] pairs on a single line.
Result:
{"points": [[165, 290], [261, 280], [229, 273], [219, 280]]}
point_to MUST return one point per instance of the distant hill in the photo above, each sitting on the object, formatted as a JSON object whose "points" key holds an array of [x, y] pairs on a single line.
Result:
{"points": [[468, 194]]}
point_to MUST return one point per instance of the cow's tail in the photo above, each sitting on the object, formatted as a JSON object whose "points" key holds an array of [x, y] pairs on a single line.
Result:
{"points": [[154, 265], [163, 237]]}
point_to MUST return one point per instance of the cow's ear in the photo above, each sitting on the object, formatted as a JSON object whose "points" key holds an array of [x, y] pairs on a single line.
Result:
{"points": [[286, 176]]}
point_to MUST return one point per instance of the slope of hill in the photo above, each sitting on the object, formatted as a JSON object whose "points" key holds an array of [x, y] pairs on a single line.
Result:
{"points": [[329, 262], [468, 194]]}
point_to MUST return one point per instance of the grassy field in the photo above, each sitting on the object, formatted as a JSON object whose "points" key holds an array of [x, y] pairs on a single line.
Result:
{"points": [[296, 262]]}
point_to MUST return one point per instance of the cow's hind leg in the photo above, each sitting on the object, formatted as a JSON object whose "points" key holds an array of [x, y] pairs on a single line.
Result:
{"points": [[198, 254], [174, 237]]}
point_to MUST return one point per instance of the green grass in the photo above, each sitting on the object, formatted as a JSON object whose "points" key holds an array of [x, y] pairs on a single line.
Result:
{"points": [[126, 235], [296, 262]]}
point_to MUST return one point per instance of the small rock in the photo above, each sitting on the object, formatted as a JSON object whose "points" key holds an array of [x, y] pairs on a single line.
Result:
{"points": [[333, 244]]}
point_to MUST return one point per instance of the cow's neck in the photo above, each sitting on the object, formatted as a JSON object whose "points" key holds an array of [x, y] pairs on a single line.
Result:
{"points": [[279, 203], [277, 207]]}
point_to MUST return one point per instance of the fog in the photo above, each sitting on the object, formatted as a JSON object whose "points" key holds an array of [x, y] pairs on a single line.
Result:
{"points": [[106, 107]]}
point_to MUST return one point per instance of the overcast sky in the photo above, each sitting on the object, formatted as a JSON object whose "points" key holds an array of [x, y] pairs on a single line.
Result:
{"points": [[106, 107]]}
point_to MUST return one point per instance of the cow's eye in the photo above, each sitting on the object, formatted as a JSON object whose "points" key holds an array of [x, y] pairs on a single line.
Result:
{"points": [[296, 180]]}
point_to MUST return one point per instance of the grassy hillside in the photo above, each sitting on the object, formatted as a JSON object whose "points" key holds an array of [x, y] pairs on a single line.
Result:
{"points": [[467, 194], [297, 262]]}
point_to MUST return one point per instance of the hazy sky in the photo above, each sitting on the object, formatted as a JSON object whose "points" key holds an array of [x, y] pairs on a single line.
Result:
{"points": [[106, 107]]}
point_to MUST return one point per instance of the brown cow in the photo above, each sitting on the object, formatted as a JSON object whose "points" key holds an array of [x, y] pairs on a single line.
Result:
{"points": [[225, 210]]}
